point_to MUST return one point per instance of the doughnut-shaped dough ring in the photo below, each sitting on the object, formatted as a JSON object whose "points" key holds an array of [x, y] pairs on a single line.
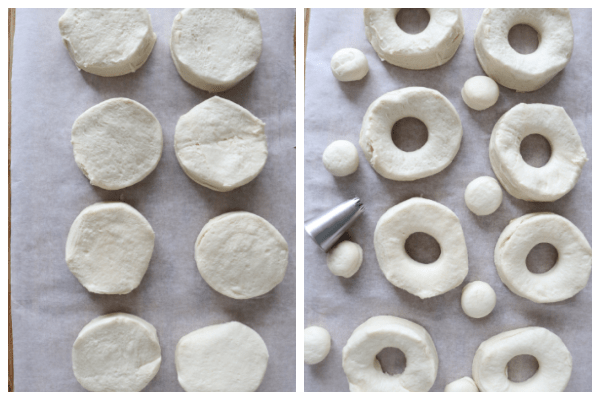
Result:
{"points": [[559, 175], [364, 371], [430, 48], [421, 215], [429, 106], [524, 72], [569, 275], [493, 355]]}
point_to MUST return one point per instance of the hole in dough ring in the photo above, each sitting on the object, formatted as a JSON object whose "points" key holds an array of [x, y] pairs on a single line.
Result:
{"points": [[524, 72], [432, 218], [569, 275], [430, 107], [561, 172], [428, 49], [364, 371], [492, 356]]}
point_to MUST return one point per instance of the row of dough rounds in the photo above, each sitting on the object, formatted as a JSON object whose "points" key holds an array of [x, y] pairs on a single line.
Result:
{"points": [[213, 48]]}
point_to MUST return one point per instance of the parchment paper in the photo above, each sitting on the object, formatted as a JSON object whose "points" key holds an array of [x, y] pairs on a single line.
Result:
{"points": [[334, 110], [49, 305]]}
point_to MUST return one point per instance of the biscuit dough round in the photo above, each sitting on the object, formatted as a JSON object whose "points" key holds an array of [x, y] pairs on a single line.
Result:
{"points": [[117, 143], [116, 353], [430, 48], [349, 65], [215, 48], [317, 343], [109, 248], [107, 41], [363, 370], [524, 72], [241, 255], [569, 275], [220, 145], [427, 216], [483, 195], [478, 299], [429, 106], [341, 158], [480, 92], [559, 175], [345, 259], [464, 384], [492, 357], [228, 357]]}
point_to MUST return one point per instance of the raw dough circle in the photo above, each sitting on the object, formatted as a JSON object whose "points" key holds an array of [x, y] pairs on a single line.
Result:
{"points": [[317, 343], [107, 42], [220, 145], [480, 92], [241, 255], [215, 48], [349, 65], [117, 143], [464, 384], [116, 353], [228, 357], [363, 370], [559, 175], [431, 48], [569, 275], [427, 216], [341, 158], [345, 259], [478, 299], [109, 248], [524, 72], [483, 195], [429, 106], [493, 355]]}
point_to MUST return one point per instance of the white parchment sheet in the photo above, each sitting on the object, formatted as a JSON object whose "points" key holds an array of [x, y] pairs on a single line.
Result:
{"points": [[49, 305], [334, 110]]}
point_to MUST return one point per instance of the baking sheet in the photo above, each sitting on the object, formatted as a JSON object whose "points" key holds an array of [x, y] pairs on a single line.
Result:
{"points": [[49, 305], [334, 110]]}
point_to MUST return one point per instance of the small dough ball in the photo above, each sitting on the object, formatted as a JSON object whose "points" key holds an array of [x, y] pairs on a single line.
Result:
{"points": [[465, 384], [345, 259], [340, 158], [478, 299], [480, 92], [349, 65], [317, 343], [483, 195]]}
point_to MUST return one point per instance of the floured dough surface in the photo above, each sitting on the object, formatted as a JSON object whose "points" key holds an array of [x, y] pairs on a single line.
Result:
{"points": [[349, 65], [241, 255], [109, 248], [116, 353], [220, 144], [215, 48], [107, 41], [117, 143], [228, 357]]}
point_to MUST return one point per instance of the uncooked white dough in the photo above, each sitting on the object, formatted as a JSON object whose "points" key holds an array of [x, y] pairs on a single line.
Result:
{"points": [[480, 92], [228, 357], [483, 195], [430, 48], [116, 353], [117, 143], [215, 48], [478, 299], [427, 216], [464, 384], [569, 275], [429, 106], [345, 259], [341, 158], [492, 356], [107, 41], [363, 370], [109, 248], [220, 145], [241, 255], [317, 343], [559, 175], [524, 72], [349, 65]]}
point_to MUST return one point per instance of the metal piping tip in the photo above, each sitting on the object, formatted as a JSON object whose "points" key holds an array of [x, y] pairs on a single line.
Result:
{"points": [[327, 228]]}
